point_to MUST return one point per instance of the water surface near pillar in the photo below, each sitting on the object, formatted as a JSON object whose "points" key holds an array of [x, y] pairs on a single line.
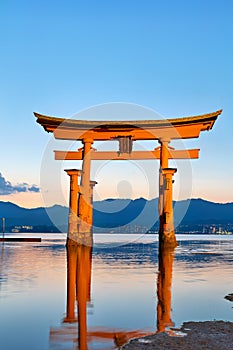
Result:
{"points": [[123, 291]]}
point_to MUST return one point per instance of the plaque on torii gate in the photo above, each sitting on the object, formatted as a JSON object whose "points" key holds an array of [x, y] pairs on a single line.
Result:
{"points": [[125, 132]]}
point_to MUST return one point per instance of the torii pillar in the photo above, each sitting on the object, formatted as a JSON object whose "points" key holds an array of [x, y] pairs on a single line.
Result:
{"points": [[85, 206], [166, 221], [79, 211], [92, 185], [73, 204]]}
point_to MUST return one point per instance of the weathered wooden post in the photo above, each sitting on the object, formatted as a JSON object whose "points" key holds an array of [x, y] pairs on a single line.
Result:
{"points": [[167, 233], [73, 204]]}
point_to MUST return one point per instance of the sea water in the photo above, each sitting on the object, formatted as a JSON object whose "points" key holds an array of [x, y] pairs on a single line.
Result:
{"points": [[123, 281]]}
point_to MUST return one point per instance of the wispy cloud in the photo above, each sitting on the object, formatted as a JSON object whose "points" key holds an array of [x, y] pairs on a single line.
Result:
{"points": [[7, 188]]}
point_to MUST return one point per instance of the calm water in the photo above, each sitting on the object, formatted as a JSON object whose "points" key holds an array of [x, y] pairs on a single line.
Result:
{"points": [[118, 287]]}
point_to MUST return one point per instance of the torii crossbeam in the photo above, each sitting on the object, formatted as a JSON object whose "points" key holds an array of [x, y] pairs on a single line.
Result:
{"points": [[125, 132]]}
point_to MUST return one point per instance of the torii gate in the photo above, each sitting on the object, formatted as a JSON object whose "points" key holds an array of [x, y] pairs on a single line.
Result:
{"points": [[126, 132]]}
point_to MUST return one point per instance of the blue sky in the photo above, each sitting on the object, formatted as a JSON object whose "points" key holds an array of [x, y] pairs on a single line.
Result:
{"points": [[60, 57]]}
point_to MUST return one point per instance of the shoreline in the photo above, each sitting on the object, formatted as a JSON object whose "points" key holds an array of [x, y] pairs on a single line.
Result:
{"points": [[205, 335]]}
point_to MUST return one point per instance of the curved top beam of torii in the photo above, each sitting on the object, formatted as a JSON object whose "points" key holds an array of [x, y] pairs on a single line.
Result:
{"points": [[176, 128]]}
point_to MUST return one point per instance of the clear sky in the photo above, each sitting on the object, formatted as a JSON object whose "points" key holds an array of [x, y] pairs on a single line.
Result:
{"points": [[60, 57]]}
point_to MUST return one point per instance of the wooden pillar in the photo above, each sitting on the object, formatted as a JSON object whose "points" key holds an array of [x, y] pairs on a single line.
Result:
{"points": [[85, 207], [163, 164], [92, 185], [73, 202], [167, 233]]}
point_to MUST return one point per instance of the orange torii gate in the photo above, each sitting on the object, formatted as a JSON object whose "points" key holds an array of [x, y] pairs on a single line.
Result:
{"points": [[126, 132]]}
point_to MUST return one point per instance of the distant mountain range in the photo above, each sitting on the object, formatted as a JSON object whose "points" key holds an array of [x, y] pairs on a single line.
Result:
{"points": [[47, 217], [140, 212], [111, 213]]}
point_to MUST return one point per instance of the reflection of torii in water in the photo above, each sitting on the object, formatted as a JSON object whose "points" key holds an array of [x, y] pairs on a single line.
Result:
{"points": [[164, 285], [79, 260], [79, 264]]}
